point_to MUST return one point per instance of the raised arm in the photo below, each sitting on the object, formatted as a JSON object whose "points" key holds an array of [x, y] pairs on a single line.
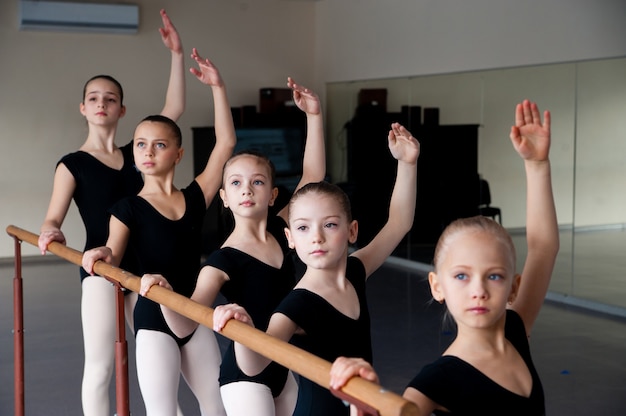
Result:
{"points": [[314, 159], [531, 140], [210, 179], [175, 96], [62, 191], [405, 149]]}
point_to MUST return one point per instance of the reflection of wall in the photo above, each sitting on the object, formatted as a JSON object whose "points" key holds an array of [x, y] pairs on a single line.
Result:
{"points": [[601, 143], [587, 101]]}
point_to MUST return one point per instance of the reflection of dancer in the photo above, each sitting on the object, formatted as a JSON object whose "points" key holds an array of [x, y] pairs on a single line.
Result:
{"points": [[97, 176], [253, 267], [163, 226], [326, 313], [488, 369]]}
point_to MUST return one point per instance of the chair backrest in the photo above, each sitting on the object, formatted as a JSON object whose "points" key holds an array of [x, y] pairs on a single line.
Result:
{"points": [[484, 196]]}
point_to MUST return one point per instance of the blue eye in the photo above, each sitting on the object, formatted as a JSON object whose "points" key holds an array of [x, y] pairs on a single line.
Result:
{"points": [[258, 182], [495, 277], [160, 145], [330, 225], [461, 276], [235, 183], [301, 228], [140, 145]]}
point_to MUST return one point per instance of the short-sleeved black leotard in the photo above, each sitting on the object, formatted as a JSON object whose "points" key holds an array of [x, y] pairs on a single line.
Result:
{"points": [[329, 334], [464, 390], [259, 288], [98, 187], [163, 246]]}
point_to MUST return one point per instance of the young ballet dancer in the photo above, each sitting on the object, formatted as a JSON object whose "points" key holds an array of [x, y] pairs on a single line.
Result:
{"points": [[488, 369], [326, 313], [163, 227], [254, 267], [95, 177]]}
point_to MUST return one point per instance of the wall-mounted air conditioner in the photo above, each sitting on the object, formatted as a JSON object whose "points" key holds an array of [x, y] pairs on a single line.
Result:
{"points": [[78, 17]]}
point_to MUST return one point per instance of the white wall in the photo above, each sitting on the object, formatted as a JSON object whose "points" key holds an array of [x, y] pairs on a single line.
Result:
{"points": [[365, 39]]}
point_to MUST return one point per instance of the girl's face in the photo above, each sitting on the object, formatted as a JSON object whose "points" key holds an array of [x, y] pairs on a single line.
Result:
{"points": [[319, 230], [102, 103], [155, 148], [476, 278], [247, 189]]}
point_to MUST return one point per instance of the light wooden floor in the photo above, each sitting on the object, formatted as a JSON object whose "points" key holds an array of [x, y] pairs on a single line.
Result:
{"points": [[580, 355]]}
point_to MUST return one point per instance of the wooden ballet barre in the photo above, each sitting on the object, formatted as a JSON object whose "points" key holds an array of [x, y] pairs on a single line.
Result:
{"points": [[316, 369]]}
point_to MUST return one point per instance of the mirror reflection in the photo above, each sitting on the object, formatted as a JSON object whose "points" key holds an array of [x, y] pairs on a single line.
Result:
{"points": [[463, 122]]}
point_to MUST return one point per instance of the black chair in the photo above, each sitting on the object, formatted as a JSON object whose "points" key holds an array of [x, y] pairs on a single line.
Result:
{"points": [[484, 202]]}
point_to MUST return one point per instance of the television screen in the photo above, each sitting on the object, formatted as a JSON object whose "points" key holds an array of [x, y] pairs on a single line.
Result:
{"points": [[284, 146]]}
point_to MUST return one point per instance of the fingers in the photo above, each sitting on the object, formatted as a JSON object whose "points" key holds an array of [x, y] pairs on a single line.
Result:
{"points": [[88, 262], [224, 313], [546, 120], [527, 112], [299, 88], [343, 369], [149, 280], [47, 237]]}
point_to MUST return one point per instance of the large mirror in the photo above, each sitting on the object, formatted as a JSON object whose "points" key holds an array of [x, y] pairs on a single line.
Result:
{"points": [[588, 105]]}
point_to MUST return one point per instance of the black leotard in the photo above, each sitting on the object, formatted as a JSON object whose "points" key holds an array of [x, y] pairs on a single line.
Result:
{"points": [[171, 248], [259, 288], [464, 390], [98, 187], [329, 334]]}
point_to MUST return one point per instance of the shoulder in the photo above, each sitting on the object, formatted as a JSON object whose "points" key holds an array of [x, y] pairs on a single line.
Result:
{"points": [[515, 331], [276, 226], [224, 259], [295, 303], [194, 197], [440, 379], [125, 208], [74, 160], [355, 271], [193, 190]]}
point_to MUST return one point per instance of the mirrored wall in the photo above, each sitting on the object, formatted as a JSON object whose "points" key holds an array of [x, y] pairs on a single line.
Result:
{"points": [[587, 101]]}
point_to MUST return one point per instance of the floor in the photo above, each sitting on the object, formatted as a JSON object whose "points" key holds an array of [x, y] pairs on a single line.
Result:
{"points": [[580, 355]]}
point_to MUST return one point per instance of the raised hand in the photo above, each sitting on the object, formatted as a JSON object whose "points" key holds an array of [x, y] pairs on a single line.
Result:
{"points": [[531, 137], [207, 73], [149, 280], [403, 146], [305, 99], [169, 35]]}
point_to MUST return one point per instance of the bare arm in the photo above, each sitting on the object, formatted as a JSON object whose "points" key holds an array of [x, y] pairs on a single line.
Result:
{"points": [[424, 404], [531, 139], [210, 179], [175, 96], [405, 149], [314, 159], [210, 280], [62, 192]]}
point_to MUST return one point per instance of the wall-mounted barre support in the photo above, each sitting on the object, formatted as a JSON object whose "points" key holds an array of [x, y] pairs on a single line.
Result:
{"points": [[357, 390]]}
